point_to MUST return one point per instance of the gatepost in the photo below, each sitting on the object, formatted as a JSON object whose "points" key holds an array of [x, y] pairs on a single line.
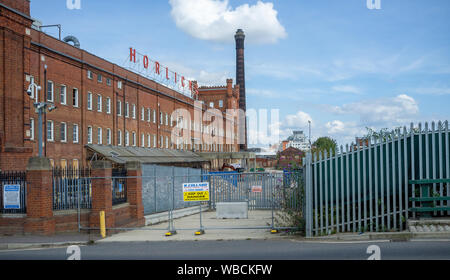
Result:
{"points": [[134, 191], [101, 194], [40, 218]]}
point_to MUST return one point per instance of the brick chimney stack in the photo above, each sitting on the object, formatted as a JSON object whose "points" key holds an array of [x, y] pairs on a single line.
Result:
{"points": [[240, 76]]}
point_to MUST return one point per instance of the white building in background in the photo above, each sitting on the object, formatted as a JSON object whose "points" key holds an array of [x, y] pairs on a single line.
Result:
{"points": [[298, 140]]}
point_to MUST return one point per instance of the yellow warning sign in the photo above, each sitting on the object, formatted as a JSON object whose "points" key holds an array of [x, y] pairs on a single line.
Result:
{"points": [[196, 191]]}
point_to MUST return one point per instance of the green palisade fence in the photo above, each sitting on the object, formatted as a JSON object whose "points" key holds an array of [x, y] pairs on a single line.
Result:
{"points": [[365, 188]]}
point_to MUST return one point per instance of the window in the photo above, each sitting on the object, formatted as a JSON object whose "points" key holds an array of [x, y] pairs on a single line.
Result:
{"points": [[220, 103], [99, 103], [154, 116], [63, 132], [108, 136], [134, 138], [99, 78], [167, 142], [99, 136], [31, 129], [142, 114], [119, 108], [108, 105], [119, 138], [149, 115], [127, 109], [108, 81], [89, 134], [167, 119], [149, 144], [160, 118], [63, 95], [50, 131], [50, 91], [75, 133], [143, 140], [127, 138], [161, 141], [75, 164], [119, 84], [89, 74], [75, 97], [154, 141], [211, 104], [89, 101], [133, 111]]}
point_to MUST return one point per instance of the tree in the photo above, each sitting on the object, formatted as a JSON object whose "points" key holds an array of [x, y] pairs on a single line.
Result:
{"points": [[324, 144]]}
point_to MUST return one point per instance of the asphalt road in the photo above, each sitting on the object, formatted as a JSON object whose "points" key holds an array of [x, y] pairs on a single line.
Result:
{"points": [[241, 250]]}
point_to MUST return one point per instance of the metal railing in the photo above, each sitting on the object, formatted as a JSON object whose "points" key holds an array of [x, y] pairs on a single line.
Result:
{"points": [[72, 186], [365, 188], [14, 178], [119, 186]]}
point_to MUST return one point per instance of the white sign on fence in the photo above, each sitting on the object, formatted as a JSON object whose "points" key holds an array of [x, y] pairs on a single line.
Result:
{"points": [[11, 196], [196, 191]]}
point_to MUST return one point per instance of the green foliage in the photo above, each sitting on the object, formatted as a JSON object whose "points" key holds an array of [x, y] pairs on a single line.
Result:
{"points": [[291, 205], [324, 144]]}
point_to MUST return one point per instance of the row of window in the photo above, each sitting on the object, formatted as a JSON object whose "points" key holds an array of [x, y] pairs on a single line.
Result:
{"points": [[147, 140]]}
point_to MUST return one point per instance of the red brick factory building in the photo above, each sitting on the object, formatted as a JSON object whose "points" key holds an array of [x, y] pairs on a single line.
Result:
{"points": [[98, 102]]}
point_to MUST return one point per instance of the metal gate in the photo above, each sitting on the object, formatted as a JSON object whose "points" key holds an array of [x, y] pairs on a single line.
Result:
{"points": [[265, 194]]}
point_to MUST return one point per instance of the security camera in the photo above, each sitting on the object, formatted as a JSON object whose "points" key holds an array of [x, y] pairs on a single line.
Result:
{"points": [[30, 90], [51, 108]]}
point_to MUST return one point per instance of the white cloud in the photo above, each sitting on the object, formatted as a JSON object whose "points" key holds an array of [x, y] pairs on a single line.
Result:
{"points": [[387, 112], [299, 120], [216, 20]]}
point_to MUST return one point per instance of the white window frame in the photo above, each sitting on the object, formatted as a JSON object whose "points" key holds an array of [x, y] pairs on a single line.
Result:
{"points": [[155, 145], [32, 129], [99, 136], [220, 103], [89, 101], [133, 138], [63, 125], [119, 137], [119, 108], [75, 133], [108, 137], [99, 103], [127, 110], [119, 84], [99, 78], [51, 135], [149, 139], [62, 94], [90, 75], [142, 114], [154, 116], [133, 111], [89, 134], [127, 138], [52, 91], [75, 96], [108, 105], [143, 140]]}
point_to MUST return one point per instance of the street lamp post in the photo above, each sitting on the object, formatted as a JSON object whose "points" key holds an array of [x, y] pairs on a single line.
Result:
{"points": [[41, 109]]}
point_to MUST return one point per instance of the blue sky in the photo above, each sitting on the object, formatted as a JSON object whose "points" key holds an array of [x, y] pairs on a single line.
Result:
{"points": [[337, 63]]}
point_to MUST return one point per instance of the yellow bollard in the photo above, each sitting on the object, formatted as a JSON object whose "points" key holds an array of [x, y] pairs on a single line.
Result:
{"points": [[102, 224]]}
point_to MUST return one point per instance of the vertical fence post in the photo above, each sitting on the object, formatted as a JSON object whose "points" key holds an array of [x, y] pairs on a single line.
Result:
{"points": [[308, 195], [101, 194], [134, 191], [40, 218]]}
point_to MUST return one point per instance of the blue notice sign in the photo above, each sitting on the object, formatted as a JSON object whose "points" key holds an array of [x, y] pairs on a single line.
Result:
{"points": [[11, 196]]}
